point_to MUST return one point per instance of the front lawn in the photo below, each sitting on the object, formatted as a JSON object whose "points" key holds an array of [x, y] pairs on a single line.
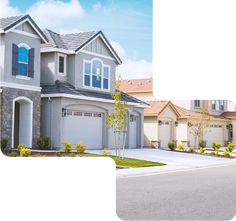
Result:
{"points": [[128, 162]]}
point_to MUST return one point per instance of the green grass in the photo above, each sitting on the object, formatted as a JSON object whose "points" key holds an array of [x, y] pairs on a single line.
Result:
{"points": [[128, 162]]}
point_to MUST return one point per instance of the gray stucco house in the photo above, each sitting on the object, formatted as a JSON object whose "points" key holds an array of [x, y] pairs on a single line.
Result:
{"points": [[59, 86]]}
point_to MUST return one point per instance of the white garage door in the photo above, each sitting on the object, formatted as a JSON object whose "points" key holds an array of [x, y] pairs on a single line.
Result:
{"points": [[164, 133], [133, 131], [84, 127], [214, 133]]}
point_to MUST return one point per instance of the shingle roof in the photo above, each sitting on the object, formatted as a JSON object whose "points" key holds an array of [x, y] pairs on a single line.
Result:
{"points": [[6, 22], [65, 88], [136, 85], [229, 114], [9, 22], [75, 41]]}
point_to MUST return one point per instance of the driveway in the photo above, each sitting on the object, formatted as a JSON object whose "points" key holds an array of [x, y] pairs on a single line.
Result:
{"points": [[174, 160]]}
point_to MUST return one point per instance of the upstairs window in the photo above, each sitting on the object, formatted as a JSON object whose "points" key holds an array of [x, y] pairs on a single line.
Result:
{"points": [[96, 74], [213, 105], [22, 61], [196, 103], [62, 64], [221, 102]]}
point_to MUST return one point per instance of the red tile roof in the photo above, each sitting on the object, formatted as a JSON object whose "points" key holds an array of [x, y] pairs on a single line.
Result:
{"points": [[136, 85]]}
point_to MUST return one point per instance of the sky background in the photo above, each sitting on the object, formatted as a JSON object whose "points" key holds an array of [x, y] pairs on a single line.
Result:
{"points": [[126, 24]]}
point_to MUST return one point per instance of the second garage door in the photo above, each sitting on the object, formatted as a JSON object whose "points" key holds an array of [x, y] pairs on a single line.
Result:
{"points": [[84, 127], [214, 133]]}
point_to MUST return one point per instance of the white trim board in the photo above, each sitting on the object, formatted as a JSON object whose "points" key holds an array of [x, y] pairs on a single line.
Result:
{"points": [[96, 54], [60, 50], [89, 99], [20, 86], [25, 33]]}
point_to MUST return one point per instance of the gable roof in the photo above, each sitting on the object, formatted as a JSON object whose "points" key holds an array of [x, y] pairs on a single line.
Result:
{"points": [[76, 41], [157, 107], [62, 88], [137, 85], [9, 23]]}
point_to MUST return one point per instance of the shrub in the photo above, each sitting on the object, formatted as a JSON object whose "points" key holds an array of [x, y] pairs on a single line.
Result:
{"points": [[202, 143], [80, 148], [58, 154], [230, 148], [13, 154], [67, 147], [212, 153], [44, 143], [180, 147], [172, 145], [25, 152], [21, 146], [71, 155], [4, 143], [191, 150], [216, 146], [226, 153], [202, 150]]}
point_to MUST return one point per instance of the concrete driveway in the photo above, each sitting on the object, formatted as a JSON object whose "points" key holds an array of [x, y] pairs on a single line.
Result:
{"points": [[175, 161]]}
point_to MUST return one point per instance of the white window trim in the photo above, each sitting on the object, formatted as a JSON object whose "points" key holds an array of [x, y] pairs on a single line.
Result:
{"points": [[21, 77], [65, 60], [91, 87]]}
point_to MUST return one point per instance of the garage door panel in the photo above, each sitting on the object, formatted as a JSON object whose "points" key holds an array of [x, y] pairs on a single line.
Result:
{"points": [[164, 133], [214, 134], [84, 127]]}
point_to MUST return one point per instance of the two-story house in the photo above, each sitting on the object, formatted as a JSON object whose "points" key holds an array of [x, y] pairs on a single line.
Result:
{"points": [[59, 86], [165, 121]]}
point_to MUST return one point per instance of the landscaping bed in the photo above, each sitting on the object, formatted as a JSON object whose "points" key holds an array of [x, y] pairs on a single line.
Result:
{"points": [[120, 163]]}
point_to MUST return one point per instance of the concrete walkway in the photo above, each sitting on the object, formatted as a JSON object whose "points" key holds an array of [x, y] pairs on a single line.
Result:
{"points": [[175, 161]]}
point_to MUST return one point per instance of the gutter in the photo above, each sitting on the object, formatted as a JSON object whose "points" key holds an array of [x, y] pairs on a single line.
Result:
{"points": [[89, 99]]}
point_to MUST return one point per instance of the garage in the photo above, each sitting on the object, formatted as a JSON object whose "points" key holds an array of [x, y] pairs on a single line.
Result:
{"points": [[84, 127], [164, 133], [214, 133]]}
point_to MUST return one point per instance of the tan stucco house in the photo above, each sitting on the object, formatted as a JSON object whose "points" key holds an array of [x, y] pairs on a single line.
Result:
{"points": [[165, 121]]}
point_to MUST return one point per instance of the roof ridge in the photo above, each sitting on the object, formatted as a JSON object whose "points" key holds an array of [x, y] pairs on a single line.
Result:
{"points": [[74, 33]]}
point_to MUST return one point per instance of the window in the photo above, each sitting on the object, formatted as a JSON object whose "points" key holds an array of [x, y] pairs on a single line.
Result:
{"points": [[96, 74], [62, 64], [105, 77], [23, 61], [196, 103], [213, 105], [221, 102]]}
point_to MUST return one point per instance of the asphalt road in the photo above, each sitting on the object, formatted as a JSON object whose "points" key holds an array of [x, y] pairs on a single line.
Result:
{"points": [[205, 194]]}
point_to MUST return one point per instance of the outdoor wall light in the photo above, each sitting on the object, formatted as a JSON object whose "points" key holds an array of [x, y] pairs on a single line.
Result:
{"points": [[160, 122], [176, 123], [63, 112], [190, 124]]}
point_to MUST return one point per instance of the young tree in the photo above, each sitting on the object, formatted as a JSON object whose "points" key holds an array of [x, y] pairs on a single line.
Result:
{"points": [[198, 127], [117, 120]]}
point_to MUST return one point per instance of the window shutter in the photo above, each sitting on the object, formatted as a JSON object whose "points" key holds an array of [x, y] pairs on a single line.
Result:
{"points": [[14, 59], [31, 63]]}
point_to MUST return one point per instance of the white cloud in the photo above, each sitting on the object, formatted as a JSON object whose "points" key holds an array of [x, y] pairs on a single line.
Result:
{"points": [[7, 10], [131, 69], [97, 6], [55, 13]]}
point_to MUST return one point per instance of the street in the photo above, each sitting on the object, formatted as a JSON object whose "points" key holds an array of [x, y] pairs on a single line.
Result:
{"points": [[198, 194]]}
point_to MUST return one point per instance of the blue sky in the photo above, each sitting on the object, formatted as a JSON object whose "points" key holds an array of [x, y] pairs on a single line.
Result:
{"points": [[126, 23]]}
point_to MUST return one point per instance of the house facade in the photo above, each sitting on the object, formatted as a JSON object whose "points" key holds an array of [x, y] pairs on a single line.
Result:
{"points": [[165, 121], [59, 86]]}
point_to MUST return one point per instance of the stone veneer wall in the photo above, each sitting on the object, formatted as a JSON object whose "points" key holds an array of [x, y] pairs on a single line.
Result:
{"points": [[8, 95]]}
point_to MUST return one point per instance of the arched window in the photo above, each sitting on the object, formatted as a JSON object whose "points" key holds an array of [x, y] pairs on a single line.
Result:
{"points": [[23, 60], [96, 74]]}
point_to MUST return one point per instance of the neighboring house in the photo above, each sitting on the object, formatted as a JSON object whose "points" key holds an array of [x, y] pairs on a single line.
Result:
{"points": [[165, 121], [59, 86]]}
